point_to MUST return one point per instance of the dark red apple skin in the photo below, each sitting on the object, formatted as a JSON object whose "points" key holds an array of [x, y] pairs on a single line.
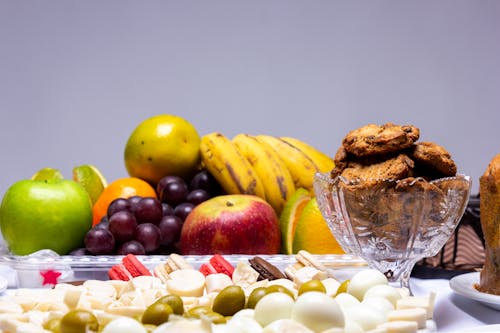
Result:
{"points": [[231, 224]]}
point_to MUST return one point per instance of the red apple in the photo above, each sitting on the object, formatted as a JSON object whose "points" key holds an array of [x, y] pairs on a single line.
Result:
{"points": [[231, 224]]}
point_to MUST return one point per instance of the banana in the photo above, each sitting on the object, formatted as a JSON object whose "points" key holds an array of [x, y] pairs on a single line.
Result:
{"points": [[271, 170], [301, 167], [232, 170], [323, 162]]}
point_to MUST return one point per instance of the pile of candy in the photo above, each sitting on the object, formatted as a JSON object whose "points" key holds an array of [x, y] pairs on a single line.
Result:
{"points": [[252, 296]]}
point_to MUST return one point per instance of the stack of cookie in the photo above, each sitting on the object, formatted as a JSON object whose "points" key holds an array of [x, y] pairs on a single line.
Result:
{"points": [[391, 151], [389, 180]]}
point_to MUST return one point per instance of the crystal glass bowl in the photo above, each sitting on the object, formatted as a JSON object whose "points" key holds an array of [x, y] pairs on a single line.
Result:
{"points": [[392, 224]]}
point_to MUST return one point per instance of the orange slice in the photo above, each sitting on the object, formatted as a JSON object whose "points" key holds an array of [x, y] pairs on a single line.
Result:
{"points": [[290, 216], [313, 234]]}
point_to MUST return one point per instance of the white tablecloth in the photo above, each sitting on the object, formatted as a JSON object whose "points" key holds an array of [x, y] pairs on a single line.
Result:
{"points": [[452, 312]]}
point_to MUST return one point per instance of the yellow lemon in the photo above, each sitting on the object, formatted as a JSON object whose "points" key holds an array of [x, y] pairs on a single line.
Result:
{"points": [[162, 145], [312, 233]]}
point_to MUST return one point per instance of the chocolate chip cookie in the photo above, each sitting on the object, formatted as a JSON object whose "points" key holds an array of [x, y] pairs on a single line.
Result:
{"points": [[433, 159], [373, 139], [398, 167]]}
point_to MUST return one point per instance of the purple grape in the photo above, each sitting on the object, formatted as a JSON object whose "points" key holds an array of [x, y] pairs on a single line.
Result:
{"points": [[205, 181], [133, 247], [122, 225], [104, 223], [167, 209], [182, 210], [148, 210], [197, 196], [166, 180], [99, 241], [149, 236], [117, 205], [170, 229], [133, 201], [173, 192]]}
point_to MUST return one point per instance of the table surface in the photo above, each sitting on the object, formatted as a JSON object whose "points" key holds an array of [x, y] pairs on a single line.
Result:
{"points": [[453, 312]]}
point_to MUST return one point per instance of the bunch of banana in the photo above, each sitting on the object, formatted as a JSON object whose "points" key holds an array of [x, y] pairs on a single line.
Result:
{"points": [[272, 171], [228, 166], [267, 166], [301, 159]]}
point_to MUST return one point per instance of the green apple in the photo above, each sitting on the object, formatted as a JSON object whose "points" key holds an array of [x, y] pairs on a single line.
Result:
{"points": [[45, 214]]}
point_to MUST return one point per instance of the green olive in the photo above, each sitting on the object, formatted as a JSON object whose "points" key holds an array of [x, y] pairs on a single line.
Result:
{"points": [[175, 303], [197, 311], [229, 301], [312, 285], [276, 288], [343, 287], [78, 321], [157, 313], [255, 297], [53, 325], [214, 317]]}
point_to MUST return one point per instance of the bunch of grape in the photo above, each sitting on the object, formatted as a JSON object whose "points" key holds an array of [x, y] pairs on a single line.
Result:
{"points": [[147, 225]]}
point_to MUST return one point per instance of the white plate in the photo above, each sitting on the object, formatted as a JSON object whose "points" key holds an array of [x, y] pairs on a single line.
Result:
{"points": [[464, 285]]}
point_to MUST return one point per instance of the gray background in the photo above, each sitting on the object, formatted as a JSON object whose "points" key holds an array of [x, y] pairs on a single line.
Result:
{"points": [[76, 77]]}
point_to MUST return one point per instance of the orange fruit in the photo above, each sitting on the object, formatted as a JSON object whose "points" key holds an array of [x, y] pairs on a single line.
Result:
{"points": [[313, 234], [289, 217], [120, 188], [162, 145]]}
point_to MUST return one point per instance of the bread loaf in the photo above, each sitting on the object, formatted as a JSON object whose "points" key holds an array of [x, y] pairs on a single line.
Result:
{"points": [[489, 193]]}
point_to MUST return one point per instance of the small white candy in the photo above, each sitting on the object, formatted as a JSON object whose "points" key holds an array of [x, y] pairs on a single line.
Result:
{"points": [[286, 325], [217, 282], [272, 307], [417, 315], [350, 327], [247, 313], [365, 316], [186, 282], [386, 291], [400, 327], [380, 303], [317, 311], [242, 324], [331, 286], [345, 300], [124, 325], [184, 326], [364, 280]]}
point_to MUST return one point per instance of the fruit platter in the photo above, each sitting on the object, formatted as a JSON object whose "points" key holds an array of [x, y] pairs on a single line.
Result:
{"points": [[200, 216]]}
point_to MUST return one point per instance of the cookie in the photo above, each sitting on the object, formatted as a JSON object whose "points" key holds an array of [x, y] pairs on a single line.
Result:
{"points": [[340, 160], [265, 269], [373, 139], [433, 159], [398, 167]]}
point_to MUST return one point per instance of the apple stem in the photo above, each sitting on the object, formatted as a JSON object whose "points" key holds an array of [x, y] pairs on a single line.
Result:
{"points": [[229, 204]]}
